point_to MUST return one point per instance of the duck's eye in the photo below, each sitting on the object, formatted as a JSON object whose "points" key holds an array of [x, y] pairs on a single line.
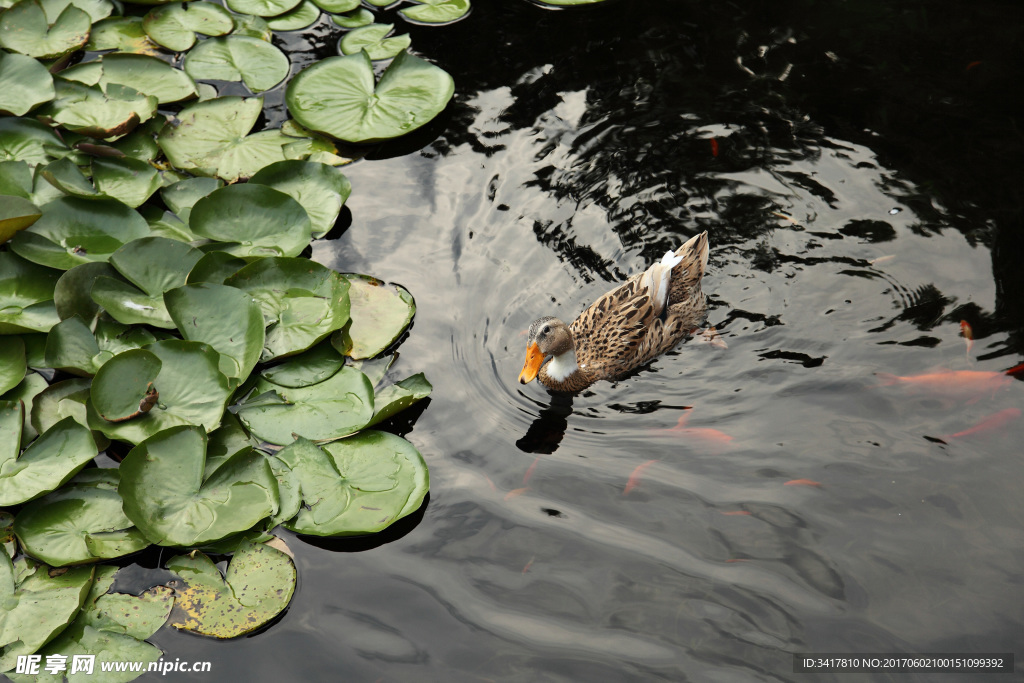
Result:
{"points": [[544, 330]]}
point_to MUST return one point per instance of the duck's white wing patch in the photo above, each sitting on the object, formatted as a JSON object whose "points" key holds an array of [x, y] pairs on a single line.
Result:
{"points": [[656, 280]]}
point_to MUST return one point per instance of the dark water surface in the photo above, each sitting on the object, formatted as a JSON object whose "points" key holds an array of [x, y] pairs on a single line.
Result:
{"points": [[862, 197]]}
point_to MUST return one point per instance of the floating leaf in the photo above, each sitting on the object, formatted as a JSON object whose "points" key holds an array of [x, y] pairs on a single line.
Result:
{"points": [[259, 584], [26, 290], [361, 17], [379, 316], [25, 28], [16, 214], [175, 25], [373, 39], [147, 75], [252, 220], [210, 138], [96, 9], [78, 524], [124, 34], [7, 539], [37, 606], [72, 292], [393, 399], [308, 368], [12, 363], [191, 388], [46, 464], [27, 84], [329, 410], [165, 495], [358, 485], [27, 140], [299, 18], [337, 6], [225, 318], [61, 400], [99, 112], [131, 181], [436, 11], [262, 8], [321, 189], [302, 302], [215, 268], [255, 62], [252, 26]]}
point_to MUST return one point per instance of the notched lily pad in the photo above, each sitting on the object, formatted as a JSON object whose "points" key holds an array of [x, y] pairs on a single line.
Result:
{"points": [[26, 290], [258, 585], [98, 111], [27, 84], [124, 34], [25, 28], [252, 220], [375, 41], [48, 462], [436, 11], [379, 316], [321, 189], [257, 63], [175, 25], [147, 75]]}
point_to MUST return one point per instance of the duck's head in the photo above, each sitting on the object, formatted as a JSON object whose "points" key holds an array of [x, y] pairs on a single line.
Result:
{"points": [[548, 337]]}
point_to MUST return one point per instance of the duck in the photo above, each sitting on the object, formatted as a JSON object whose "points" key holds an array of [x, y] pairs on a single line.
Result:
{"points": [[625, 328]]}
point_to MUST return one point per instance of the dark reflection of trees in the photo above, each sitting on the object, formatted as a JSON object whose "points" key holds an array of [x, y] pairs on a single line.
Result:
{"points": [[930, 85]]}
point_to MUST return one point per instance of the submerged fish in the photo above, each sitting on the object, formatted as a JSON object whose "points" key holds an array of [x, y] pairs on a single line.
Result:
{"points": [[702, 433], [971, 383], [994, 421], [634, 478]]}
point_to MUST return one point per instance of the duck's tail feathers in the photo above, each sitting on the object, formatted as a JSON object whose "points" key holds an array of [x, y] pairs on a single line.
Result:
{"points": [[686, 275]]}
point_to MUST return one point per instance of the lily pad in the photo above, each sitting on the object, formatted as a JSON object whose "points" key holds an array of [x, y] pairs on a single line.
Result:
{"points": [[262, 8], [329, 410], [379, 316], [26, 290], [166, 497], [299, 18], [175, 25], [27, 140], [338, 96], [337, 6], [311, 367], [259, 584], [191, 391], [16, 214], [436, 11], [147, 75], [209, 138], [373, 39], [359, 485], [96, 9], [131, 181], [183, 195], [98, 111], [252, 220], [7, 538], [361, 17], [226, 318], [27, 84], [215, 268], [25, 28], [72, 292], [73, 348], [78, 524], [12, 363], [395, 398], [255, 62], [321, 189], [61, 400], [46, 464], [124, 34], [252, 26], [302, 302], [37, 606]]}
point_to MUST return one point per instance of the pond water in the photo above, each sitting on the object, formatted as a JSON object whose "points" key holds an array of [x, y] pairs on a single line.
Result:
{"points": [[856, 166]]}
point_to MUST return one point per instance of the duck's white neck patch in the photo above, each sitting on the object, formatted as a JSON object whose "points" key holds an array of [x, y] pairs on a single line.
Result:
{"points": [[560, 367]]}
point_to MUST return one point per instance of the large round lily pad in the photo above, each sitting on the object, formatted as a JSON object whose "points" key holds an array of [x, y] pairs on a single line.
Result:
{"points": [[175, 25], [98, 111], [338, 96], [259, 584], [358, 485], [321, 189], [27, 84], [262, 8], [147, 75], [25, 28], [436, 11], [167, 498], [252, 220], [46, 464], [255, 62], [26, 290], [375, 41], [27, 140], [304, 14], [124, 34], [379, 316]]}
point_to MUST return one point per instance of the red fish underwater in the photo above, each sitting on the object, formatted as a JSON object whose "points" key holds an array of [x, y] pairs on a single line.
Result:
{"points": [[963, 383], [988, 424]]}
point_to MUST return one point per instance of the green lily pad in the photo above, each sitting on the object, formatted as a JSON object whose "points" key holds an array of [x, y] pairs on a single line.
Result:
{"points": [[25, 392], [47, 463], [258, 585], [15, 176], [110, 627], [252, 26], [166, 497], [337, 6], [302, 302], [209, 138], [215, 268], [16, 214], [252, 220], [27, 84], [147, 75], [337, 96], [311, 367], [436, 11], [140, 143], [72, 292], [65, 175], [183, 195], [566, 3], [304, 14], [27, 140], [125, 386], [373, 39], [395, 398], [334, 408], [359, 485], [7, 538], [224, 317], [123, 34], [96, 9], [25, 28], [61, 400], [379, 316], [321, 189], [78, 524], [255, 62], [37, 606], [74, 230], [175, 25], [12, 363], [26, 293], [262, 8], [132, 181], [361, 17], [73, 348], [98, 111], [191, 391]]}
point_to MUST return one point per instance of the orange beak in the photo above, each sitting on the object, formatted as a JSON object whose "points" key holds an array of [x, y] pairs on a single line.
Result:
{"points": [[534, 359]]}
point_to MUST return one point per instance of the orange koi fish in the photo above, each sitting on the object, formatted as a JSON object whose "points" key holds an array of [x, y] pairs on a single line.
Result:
{"points": [[634, 479], [714, 147], [802, 482], [515, 493], [994, 421], [968, 334], [529, 471], [971, 383], [702, 433]]}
